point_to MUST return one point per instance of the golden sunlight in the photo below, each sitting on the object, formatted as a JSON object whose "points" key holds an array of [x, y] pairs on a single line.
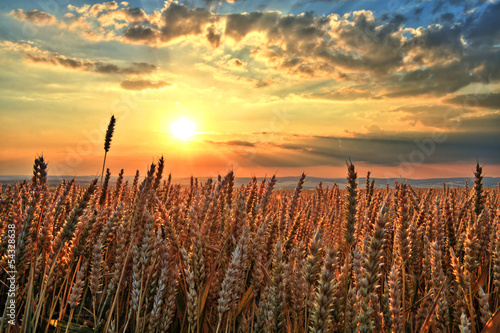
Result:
{"points": [[183, 129]]}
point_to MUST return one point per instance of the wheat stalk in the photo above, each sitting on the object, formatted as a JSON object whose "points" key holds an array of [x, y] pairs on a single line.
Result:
{"points": [[107, 141]]}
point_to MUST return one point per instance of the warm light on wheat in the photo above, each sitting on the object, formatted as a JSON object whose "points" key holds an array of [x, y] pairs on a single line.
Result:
{"points": [[183, 129], [223, 255]]}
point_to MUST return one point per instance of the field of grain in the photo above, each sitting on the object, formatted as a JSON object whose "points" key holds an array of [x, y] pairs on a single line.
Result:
{"points": [[151, 256]]}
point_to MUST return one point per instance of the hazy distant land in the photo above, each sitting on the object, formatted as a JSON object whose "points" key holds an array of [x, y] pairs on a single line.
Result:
{"points": [[288, 183]]}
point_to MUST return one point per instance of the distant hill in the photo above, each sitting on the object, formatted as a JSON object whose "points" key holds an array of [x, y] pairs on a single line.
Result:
{"points": [[285, 182]]}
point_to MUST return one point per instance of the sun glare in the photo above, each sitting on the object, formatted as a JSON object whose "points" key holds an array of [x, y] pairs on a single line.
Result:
{"points": [[183, 129]]}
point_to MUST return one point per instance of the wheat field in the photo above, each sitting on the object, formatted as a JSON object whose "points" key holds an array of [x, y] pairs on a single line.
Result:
{"points": [[152, 256]]}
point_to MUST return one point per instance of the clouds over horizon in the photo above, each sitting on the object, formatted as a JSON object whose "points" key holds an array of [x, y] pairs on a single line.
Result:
{"points": [[387, 149]]}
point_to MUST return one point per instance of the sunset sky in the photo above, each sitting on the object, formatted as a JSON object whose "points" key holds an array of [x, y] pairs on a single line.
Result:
{"points": [[405, 89]]}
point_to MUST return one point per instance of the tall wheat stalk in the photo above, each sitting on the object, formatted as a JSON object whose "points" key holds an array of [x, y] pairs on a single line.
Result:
{"points": [[107, 141]]}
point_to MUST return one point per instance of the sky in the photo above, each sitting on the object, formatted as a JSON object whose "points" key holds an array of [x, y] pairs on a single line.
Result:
{"points": [[406, 89]]}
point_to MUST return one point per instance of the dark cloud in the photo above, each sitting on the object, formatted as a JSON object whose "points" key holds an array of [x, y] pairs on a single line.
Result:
{"points": [[287, 35], [240, 143], [213, 37], [488, 125], [56, 59], [447, 18], [440, 63], [292, 62], [485, 28], [389, 149], [437, 81], [141, 34], [417, 11], [442, 41], [437, 116], [344, 94], [134, 68], [134, 14], [303, 67], [98, 67], [140, 68], [291, 146], [232, 143], [105, 68], [34, 16], [179, 21], [490, 101], [138, 85], [362, 43], [240, 25], [439, 5], [434, 60]]}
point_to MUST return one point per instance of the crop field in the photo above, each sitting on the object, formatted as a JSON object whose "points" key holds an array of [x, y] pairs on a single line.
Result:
{"points": [[152, 256]]}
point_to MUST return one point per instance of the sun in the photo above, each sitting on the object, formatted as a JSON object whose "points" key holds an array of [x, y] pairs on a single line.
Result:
{"points": [[183, 129]]}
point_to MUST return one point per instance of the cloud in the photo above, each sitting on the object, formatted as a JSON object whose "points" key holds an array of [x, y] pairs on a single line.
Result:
{"points": [[95, 9], [213, 37], [134, 68], [121, 17], [138, 85], [387, 149], [34, 16], [442, 4], [141, 34], [180, 21], [361, 42], [56, 59], [358, 48], [232, 143], [239, 25], [343, 94], [484, 29], [436, 81], [98, 8], [447, 18], [108, 21], [395, 60], [435, 45], [23, 46], [174, 22], [490, 101], [98, 67], [432, 115], [313, 46]]}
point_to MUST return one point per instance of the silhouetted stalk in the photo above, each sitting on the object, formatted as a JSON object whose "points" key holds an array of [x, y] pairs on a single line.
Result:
{"points": [[107, 141]]}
